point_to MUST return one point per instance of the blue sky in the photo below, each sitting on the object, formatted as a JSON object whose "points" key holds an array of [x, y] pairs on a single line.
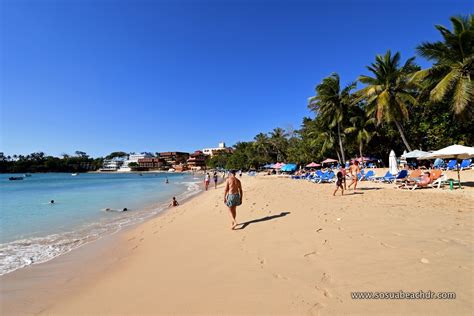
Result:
{"points": [[103, 75]]}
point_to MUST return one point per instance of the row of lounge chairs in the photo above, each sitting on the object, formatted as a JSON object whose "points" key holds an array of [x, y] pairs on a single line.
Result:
{"points": [[452, 164], [402, 179]]}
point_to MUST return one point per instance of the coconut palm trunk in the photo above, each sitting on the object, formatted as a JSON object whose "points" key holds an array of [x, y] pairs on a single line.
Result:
{"points": [[402, 134], [340, 143]]}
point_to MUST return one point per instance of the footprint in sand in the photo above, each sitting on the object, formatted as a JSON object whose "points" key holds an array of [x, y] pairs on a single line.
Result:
{"points": [[141, 239], [279, 276], [325, 278], [386, 245], [130, 239], [310, 254]]}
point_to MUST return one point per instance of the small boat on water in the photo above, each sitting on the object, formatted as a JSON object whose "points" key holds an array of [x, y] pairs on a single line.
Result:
{"points": [[15, 178], [27, 175], [73, 174]]}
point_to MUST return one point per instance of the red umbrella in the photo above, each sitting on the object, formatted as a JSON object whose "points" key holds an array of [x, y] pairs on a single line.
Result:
{"points": [[313, 165], [329, 160]]}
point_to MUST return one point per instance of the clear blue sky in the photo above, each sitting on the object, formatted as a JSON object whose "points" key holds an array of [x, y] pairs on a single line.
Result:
{"points": [[103, 75]]}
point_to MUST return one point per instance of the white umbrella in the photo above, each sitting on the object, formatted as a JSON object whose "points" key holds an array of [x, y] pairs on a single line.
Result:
{"points": [[415, 154], [392, 163], [452, 152]]}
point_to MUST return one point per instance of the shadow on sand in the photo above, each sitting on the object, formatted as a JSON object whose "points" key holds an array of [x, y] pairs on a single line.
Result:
{"points": [[263, 219]]}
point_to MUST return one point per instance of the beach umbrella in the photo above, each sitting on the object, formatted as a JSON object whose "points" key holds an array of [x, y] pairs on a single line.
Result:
{"points": [[457, 152], [313, 165], [392, 163], [268, 166], [329, 160], [278, 165], [415, 154], [289, 167]]}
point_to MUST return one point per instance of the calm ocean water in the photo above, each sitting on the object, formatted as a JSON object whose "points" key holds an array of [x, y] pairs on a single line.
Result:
{"points": [[32, 230]]}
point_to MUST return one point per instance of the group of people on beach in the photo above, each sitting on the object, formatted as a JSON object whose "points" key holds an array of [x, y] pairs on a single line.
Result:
{"points": [[341, 177]]}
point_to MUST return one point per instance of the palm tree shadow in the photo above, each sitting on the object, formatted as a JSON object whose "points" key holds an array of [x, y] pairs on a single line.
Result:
{"points": [[263, 219]]}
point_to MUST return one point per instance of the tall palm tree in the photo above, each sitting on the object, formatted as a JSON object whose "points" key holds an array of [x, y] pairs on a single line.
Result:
{"points": [[452, 74], [388, 92], [361, 129], [262, 144], [279, 142], [331, 104]]}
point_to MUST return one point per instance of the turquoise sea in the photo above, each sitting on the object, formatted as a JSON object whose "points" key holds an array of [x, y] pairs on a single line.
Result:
{"points": [[32, 230]]}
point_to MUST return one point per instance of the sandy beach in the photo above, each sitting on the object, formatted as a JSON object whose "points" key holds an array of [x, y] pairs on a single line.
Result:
{"points": [[298, 250]]}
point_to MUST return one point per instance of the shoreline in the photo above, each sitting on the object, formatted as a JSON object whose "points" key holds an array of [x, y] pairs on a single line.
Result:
{"points": [[67, 270], [76, 237], [290, 258]]}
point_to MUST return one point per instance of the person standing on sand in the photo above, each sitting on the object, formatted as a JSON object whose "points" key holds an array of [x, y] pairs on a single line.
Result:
{"points": [[354, 171], [233, 196], [207, 179], [343, 171], [339, 180], [215, 180]]}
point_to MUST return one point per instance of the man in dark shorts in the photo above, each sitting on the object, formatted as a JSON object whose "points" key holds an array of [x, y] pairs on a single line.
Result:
{"points": [[233, 195]]}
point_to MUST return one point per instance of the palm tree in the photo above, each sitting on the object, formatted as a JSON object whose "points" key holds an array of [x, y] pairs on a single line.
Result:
{"points": [[389, 92], [279, 142], [331, 104], [361, 129], [262, 145], [453, 70]]}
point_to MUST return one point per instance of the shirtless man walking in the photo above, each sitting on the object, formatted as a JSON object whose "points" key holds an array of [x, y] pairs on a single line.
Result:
{"points": [[233, 195], [354, 171]]}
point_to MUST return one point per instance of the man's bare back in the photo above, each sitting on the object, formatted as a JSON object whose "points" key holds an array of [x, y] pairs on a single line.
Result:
{"points": [[233, 186]]}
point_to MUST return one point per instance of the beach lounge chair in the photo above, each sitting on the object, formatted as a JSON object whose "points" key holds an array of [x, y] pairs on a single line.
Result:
{"points": [[402, 176], [438, 178], [415, 174], [387, 176], [465, 164], [439, 164], [328, 177], [368, 176], [452, 165]]}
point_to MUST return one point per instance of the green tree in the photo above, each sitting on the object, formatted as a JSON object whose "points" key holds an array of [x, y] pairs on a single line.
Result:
{"points": [[331, 103], [451, 76], [362, 128], [388, 92], [279, 143]]}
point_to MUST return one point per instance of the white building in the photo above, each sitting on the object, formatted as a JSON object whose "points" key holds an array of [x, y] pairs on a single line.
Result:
{"points": [[212, 151], [133, 158], [112, 164]]}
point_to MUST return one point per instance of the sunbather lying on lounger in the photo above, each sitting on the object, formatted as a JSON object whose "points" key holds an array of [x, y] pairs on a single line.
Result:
{"points": [[423, 182]]}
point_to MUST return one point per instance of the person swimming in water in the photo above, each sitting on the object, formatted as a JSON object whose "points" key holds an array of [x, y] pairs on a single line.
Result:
{"points": [[51, 202], [174, 202]]}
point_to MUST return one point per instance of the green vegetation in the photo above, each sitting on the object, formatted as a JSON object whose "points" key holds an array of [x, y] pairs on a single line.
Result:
{"points": [[399, 106], [38, 162]]}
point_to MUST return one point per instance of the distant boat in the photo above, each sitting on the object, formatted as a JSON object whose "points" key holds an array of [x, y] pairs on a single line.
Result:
{"points": [[73, 174], [27, 174], [15, 178]]}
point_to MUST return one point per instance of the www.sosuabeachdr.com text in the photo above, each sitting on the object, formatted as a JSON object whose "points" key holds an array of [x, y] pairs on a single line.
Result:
{"points": [[403, 295]]}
